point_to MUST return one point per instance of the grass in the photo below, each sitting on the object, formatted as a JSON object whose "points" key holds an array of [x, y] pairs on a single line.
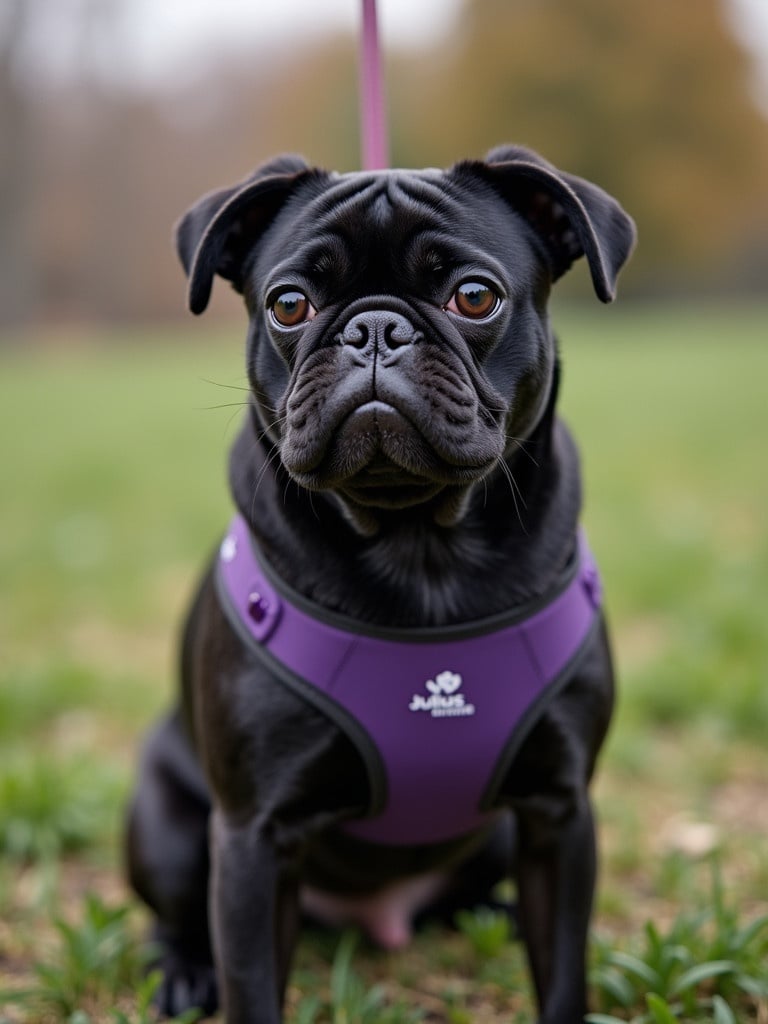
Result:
{"points": [[112, 492], [707, 962]]}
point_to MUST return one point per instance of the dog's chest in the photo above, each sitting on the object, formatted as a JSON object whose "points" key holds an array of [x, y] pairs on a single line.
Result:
{"points": [[436, 715]]}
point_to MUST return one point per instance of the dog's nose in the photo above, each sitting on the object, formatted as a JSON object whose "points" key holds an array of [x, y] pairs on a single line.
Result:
{"points": [[379, 328]]}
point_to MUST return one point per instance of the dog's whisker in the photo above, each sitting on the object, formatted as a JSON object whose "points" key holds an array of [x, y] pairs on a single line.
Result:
{"points": [[223, 405], [514, 489], [279, 420], [312, 505], [285, 492], [273, 456], [520, 444], [218, 384], [231, 418]]}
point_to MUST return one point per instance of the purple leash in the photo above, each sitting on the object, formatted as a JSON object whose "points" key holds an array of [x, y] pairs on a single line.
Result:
{"points": [[373, 126]]}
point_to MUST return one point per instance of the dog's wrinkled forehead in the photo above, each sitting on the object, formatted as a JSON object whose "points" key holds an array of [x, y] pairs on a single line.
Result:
{"points": [[390, 225], [364, 202]]}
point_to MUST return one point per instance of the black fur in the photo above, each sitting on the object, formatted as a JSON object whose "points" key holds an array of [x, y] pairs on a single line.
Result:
{"points": [[404, 465]]}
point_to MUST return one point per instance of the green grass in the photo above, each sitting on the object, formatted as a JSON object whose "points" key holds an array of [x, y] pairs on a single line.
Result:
{"points": [[707, 964], [112, 493]]}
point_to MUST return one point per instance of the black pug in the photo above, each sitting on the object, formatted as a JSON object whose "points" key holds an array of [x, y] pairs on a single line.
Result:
{"points": [[395, 677]]}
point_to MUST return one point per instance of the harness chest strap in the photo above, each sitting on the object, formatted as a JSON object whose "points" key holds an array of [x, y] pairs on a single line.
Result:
{"points": [[436, 714]]}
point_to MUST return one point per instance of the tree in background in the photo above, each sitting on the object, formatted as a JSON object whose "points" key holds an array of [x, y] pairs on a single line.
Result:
{"points": [[650, 99], [17, 268]]}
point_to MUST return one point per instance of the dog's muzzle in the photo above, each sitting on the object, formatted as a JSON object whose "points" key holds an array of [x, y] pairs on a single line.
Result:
{"points": [[387, 412]]}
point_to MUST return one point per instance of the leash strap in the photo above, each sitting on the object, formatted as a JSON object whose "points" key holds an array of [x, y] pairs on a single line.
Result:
{"points": [[373, 126]]}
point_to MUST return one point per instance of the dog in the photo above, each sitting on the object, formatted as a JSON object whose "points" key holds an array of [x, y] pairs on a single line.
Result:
{"points": [[395, 675]]}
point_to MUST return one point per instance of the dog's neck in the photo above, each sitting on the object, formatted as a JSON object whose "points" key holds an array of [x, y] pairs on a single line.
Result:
{"points": [[515, 536]]}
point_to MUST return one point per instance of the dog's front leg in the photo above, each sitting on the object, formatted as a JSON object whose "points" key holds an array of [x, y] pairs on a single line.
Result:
{"points": [[556, 877], [254, 912]]}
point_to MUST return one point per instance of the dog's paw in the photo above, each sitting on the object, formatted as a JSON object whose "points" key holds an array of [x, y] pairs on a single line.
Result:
{"points": [[186, 985]]}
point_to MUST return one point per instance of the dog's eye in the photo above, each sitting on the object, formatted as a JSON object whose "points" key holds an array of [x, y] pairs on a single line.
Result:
{"points": [[292, 308], [474, 300]]}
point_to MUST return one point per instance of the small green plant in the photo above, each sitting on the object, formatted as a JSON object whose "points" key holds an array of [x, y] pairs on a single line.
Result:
{"points": [[95, 961], [97, 956], [143, 1012], [488, 930], [458, 1015], [351, 1002], [705, 965], [659, 1011]]}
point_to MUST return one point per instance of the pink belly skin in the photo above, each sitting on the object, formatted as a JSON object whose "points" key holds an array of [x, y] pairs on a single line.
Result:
{"points": [[385, 916]]}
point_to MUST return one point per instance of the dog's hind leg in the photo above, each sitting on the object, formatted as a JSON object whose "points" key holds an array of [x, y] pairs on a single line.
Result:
{"points": [[168, 866]]}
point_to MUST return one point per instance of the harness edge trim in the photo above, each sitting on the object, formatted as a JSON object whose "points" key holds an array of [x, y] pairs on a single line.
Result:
{"points": [[418, 634], [531, 716], [347, 723]]}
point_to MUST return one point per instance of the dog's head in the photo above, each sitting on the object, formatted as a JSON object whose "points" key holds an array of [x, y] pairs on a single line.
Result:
{"points": [[398, 337]]}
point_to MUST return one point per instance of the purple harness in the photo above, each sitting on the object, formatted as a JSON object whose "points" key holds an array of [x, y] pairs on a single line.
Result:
{"points": [[437, 714]]}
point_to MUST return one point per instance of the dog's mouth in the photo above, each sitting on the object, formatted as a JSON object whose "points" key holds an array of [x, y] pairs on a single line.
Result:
{"points": [[378, 458], [384, 484]]}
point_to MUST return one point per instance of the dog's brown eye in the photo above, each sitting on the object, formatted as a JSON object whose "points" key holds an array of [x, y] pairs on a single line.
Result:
{"points": [[473, 299], [292, 308]]}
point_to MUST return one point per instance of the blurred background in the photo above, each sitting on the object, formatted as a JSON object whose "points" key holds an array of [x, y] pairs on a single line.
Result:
{"points": [[116, 114]]}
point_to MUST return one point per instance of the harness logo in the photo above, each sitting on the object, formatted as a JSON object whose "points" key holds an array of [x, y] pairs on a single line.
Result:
{"points": [[443, 701], [228, 548]]}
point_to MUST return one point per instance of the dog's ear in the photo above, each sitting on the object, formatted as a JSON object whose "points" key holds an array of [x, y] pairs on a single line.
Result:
{"points": [[571, 216], [216, 234]]}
